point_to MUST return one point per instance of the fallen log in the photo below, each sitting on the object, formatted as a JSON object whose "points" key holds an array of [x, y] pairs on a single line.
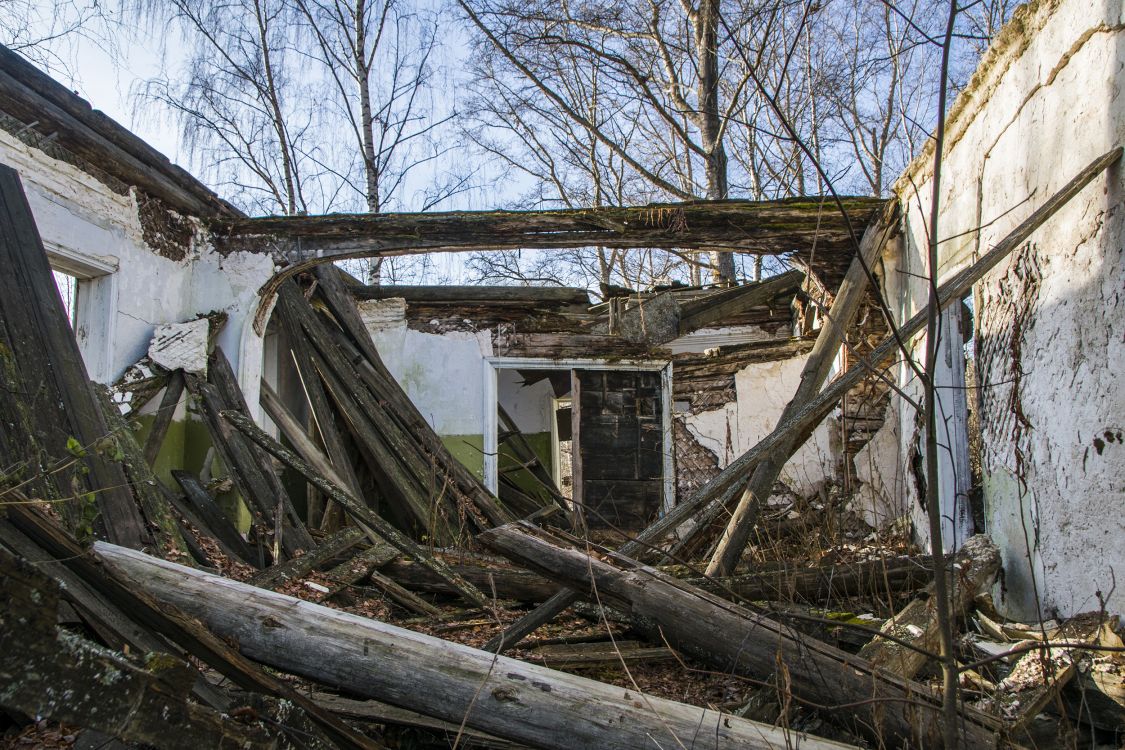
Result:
{"points": [[974, 568], [501, 696], [780, 582], [734, 639]]}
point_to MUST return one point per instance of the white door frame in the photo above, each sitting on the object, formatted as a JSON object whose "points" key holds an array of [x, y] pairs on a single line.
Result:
{"points": [[491, 420]]}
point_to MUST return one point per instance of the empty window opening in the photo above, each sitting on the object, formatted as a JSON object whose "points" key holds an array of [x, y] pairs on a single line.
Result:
{"points": [[68, 290]]}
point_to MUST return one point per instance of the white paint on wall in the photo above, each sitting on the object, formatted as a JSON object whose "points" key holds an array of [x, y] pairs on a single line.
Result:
{"points": [[442, 374], [1051, 320], [82, 221]]}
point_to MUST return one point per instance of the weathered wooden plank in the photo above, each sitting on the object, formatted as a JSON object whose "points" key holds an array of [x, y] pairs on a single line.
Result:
{"points": [[718, 307], [164, 413], [402, 596], [47, 401], [214, 521], [299, 439], [220, 375], [276, 575], [403, 410], [391, 454], [320, 408], [508, 698], [146, 487], [735, 639]]}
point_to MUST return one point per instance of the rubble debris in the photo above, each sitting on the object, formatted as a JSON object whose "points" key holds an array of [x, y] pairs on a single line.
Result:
{"points": [[249, 467], [688, 618], [975, 567], [200, 509], [375, 526]]}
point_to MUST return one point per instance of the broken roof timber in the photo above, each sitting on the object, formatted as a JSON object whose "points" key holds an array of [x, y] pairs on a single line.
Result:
{"points": [[766, 227]]}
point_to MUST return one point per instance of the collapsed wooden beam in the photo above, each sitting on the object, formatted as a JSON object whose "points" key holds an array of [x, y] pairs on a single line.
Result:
{"points": [[523, 296], [734, 639], [818, 583], [715, 308], [769, 227], [504, 697], [332, 291], [844, 308]]}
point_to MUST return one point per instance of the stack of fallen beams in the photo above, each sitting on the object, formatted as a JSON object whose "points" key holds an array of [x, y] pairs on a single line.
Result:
{"points": [[352, 395]]}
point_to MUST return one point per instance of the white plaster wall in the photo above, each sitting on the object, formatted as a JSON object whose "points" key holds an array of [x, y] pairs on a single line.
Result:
{"points": [[1045, 102], [763, 389], [442, 374], [80, 218]]}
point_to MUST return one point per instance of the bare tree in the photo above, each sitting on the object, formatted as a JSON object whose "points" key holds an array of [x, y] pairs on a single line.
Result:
{"points": [[661, 75], [238, 102], [298, 106], [48, 32]]}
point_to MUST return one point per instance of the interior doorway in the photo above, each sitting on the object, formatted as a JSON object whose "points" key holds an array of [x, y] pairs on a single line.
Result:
{"points": [[594, 434]]}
